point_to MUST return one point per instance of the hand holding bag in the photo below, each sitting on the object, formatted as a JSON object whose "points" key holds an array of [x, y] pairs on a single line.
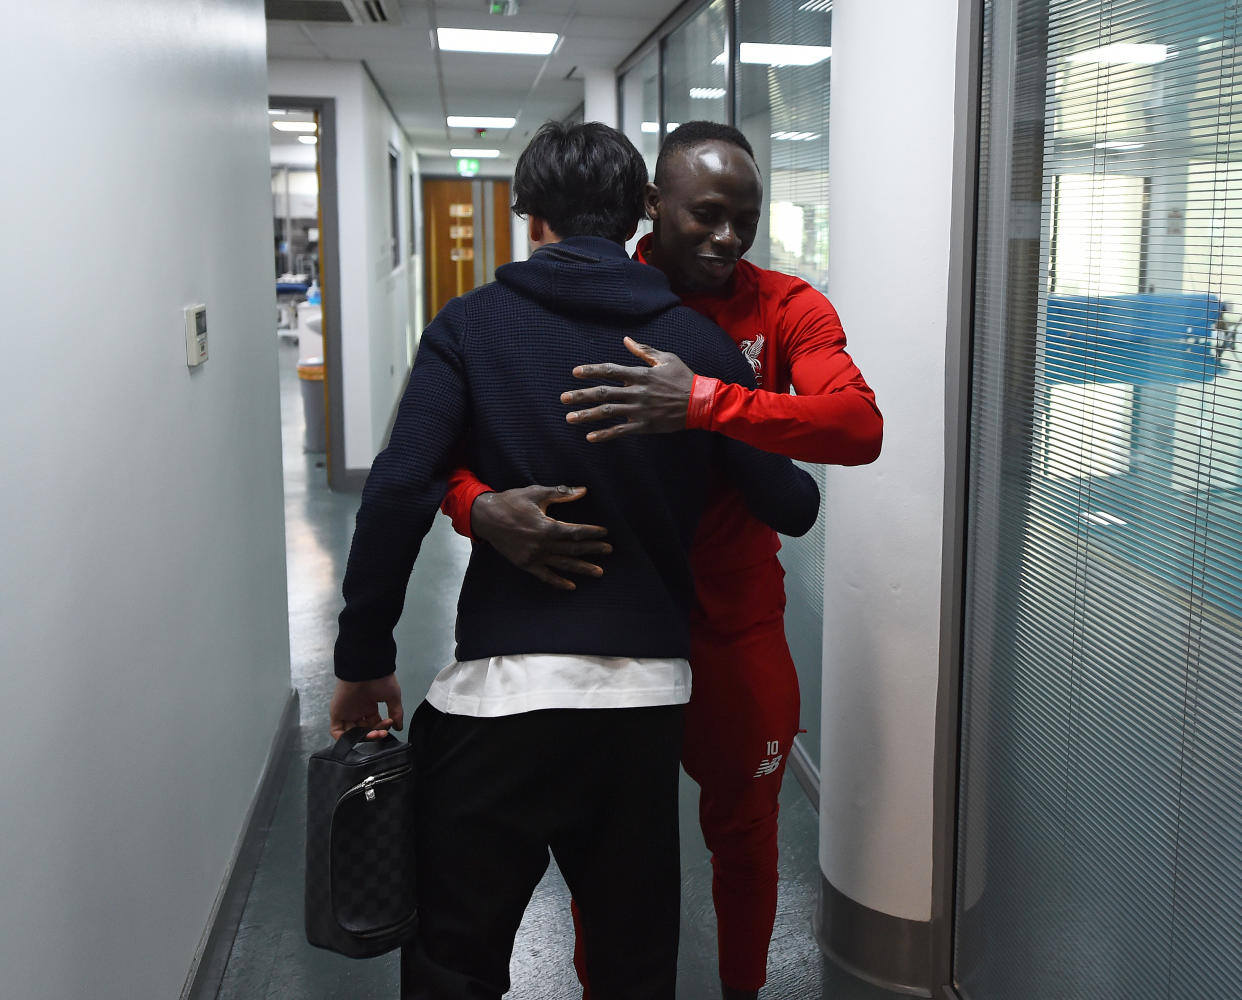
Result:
{"points": [[360, 846]]}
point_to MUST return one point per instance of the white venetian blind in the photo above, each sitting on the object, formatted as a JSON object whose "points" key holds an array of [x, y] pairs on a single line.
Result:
{"points": [[1100, 812]]}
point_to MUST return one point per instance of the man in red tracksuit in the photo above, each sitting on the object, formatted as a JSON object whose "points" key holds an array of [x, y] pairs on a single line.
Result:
{"points": [[743, 711]]}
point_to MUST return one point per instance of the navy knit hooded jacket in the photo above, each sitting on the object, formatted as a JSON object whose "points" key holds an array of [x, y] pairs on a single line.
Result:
{"points": [[485, 392]]}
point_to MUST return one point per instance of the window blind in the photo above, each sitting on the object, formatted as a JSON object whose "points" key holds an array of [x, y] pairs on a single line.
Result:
{"points": [[1100, 810]]}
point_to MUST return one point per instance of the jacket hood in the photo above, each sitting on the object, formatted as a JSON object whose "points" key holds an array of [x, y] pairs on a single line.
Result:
{"points": [[591, 278]]}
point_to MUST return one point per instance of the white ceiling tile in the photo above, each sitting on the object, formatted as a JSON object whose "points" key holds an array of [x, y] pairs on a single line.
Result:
{"points": [[402, 61]]}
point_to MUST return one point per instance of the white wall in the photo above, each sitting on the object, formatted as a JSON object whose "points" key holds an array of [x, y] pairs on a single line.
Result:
{"points": [[388, 289], [379, 304], [144, 658], [500, 168], [891, 168]]}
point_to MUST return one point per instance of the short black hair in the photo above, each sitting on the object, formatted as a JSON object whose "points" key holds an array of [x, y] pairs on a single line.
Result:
{"points": [[693, 134], [583, 180]]}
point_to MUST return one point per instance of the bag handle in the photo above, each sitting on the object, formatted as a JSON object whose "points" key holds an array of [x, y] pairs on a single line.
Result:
{"points": [[352, 738]]}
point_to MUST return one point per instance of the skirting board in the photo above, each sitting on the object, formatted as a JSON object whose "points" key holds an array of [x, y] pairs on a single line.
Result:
{"points": [[354, 480], [806, 773], [887, 951], [207, 970]]}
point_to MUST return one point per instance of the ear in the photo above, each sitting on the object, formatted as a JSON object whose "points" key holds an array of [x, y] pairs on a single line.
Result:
{"points": [[534, 228], [651, 201]]}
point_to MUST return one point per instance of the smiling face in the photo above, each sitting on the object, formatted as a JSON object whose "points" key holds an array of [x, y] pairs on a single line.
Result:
{"points": [[705, 214]]}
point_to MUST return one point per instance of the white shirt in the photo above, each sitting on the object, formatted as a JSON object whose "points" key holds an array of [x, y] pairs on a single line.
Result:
{"points": [[528, 682]]}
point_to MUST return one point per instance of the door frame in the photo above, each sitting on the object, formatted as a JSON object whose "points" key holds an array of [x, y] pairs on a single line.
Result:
{"points": [[329, 282]]}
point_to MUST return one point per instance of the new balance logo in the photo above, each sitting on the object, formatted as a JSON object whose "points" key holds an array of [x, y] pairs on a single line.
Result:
{"points": [[769, 766]]}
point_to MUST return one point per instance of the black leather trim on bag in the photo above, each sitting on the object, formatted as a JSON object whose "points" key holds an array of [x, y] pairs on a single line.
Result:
{"points": [[360, 878]]}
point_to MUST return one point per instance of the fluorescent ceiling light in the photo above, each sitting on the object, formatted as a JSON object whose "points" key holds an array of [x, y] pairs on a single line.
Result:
{"points": [[706, 93], [819, 6], [1120, 145], [310, 140], [475, 121], [796, 136], [277, 111], [763, 54], [516, 43], [1123, 53], [478, 154], [294, 126], [652, 127]]}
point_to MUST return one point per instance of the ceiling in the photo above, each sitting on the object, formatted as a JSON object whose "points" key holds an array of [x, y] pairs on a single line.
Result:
{"points": [[423, 85]]}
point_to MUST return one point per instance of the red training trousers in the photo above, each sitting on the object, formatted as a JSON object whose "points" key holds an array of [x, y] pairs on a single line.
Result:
{"points": [[740, 725]]}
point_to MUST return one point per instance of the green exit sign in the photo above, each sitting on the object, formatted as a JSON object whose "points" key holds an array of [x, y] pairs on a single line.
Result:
{"points": [[467, 168]]}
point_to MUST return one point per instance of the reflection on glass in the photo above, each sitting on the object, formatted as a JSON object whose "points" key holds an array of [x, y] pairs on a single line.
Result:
{"points": [[640, 107], [640, 117], [694, 68], [782, 105]]}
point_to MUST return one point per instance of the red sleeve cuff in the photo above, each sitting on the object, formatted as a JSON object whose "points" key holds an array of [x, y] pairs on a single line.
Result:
{"points": [[702, 395], [459, 501]]}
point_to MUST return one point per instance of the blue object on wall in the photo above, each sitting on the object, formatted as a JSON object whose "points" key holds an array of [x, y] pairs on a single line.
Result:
{"points": [[1132, 338]]}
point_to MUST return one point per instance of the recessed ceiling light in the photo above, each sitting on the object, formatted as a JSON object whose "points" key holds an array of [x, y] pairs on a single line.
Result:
{"points": [[516, 43], [277, 111], [310, 140], [764, 54], [1122, 53], [653, 127], [294, 126], [706, 93], [476, 121], [478, 154]]}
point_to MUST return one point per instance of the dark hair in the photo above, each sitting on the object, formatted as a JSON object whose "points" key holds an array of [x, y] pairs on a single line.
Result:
{"points": [[693, 134], [583, 180]]}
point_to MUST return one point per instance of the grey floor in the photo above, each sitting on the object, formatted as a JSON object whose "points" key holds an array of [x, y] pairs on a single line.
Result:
{"points": [[270, 958]]}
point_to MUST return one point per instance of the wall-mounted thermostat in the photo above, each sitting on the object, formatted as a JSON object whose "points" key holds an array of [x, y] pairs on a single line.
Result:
{"points": [[195, 335]]}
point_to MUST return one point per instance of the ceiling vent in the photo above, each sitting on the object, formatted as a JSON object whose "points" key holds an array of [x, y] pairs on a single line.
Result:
{"points": [[381, 12]]}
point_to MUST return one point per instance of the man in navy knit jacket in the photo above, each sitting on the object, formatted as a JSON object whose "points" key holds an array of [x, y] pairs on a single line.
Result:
{"points": [[558, 726]]}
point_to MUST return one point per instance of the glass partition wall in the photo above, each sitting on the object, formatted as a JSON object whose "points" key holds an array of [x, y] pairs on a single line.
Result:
{"points": [[696, 68], [1100, 811], [763, 66], [783, 95]]}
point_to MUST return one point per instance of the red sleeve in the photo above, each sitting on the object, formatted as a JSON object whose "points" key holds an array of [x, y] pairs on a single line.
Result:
{"points": [[464, 488], [832, 419]]}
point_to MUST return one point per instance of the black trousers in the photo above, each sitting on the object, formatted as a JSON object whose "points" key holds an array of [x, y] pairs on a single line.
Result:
{"points": [[597, 788]]}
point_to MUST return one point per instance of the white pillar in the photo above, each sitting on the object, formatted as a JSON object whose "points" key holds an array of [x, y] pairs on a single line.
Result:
{"points": [[891, 165], [600, 96]]}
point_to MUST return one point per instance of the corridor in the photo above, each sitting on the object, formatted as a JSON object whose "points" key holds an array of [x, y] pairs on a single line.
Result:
{"points": [[270, 959]]}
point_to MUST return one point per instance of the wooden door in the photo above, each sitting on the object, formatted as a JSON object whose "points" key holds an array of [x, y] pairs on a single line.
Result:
{"points": [[466, 235]]}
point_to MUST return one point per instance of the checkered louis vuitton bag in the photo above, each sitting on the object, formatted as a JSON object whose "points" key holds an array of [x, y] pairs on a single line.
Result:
{"points": [[360, 846]]}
